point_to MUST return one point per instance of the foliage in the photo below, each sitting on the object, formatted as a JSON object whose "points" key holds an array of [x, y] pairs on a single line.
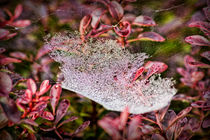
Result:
{"points": [[106, 58]]}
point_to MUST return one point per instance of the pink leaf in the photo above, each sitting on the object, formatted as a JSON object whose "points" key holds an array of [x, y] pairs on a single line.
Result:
{"points": [[116, 10], [39, 107], [206, 55], [106, 124], [18, 11], [206, 122], [83, 126], [96, 16], [138, 73], [61, 110], [67, 121], [30, 122], [55, 93], [198, 64], [197, 76], [144, 21], [123, 118], [19, 55], [187, 60], [204, 26], [83, 25], [207, 12], [11, 35], [8, 60], [197, 40], [26, 98], [152, 36], [133, 131], [45, 86], [124, 29], [47, 115], [31, 85], [20, 23], [155, 67], [198, 104], [42, 99], [42, 51], [181, 71], [102, 29]]}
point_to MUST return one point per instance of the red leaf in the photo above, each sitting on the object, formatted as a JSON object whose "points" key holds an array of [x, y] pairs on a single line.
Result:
{"points": [[26, 98], [31, 85], [198, 104], [144, 21], [152, 36], [5, 83], [47, 115], [124, 29], [42, 51], [133, 131], [18, 11], [42, 99], [3, 33], [181, 71], [9, 36], [198, 64], [207, 12], [8, 60], [19, 55], [197, 76], [106, 124], [155, 67], [39, 107], [45, 86], [138, 73], [187, 60], [197, 40], [82, 127], [83, 25], [61, 110], [181, 114], [116, 10], [105, 2], [55, 93], [204, 26], [96, 16], [102, 29], [123, 118], [67, 121], [206, 55], [20, 23]]}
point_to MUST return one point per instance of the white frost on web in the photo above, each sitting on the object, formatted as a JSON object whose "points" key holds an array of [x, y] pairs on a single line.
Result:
{"points": [[102, 71]]}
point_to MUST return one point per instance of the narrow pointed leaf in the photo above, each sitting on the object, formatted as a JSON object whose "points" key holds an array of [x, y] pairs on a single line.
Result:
{"points": [[82, 127], [8, 60], [138, 73], [123, 118], [39, 107], [116, 10], [11, 35], [133, 132], [18, 11], [55, 93], [44, 87], [31, 85], [26, 98], [19, 55], [42, 51], [83, 25], [20, 23], [144, 21], [61, 110], [67, 121], [197, 40], [28, 121]]}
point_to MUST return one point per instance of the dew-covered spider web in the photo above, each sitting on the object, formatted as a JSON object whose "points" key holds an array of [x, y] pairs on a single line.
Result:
{"points": [[102, 71]]}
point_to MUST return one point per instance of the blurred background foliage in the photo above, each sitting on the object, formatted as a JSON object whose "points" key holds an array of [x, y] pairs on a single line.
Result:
{"points": [[51, 16]]}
